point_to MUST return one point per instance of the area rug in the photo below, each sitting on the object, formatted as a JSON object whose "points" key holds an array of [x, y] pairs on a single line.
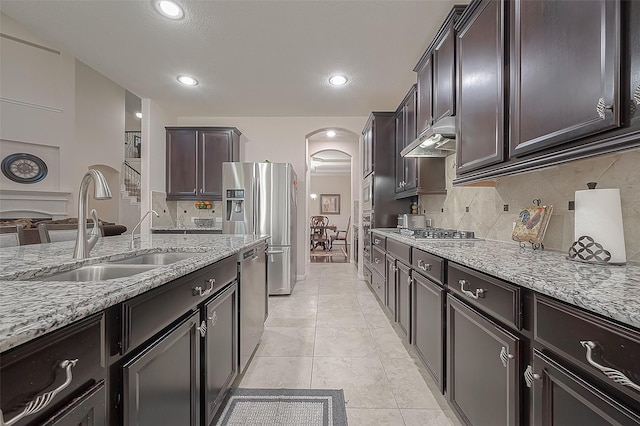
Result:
{"points": [[283, 407], [333, 252]]}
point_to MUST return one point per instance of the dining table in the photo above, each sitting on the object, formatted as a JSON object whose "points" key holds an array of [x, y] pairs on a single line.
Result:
{"points": [[318, 236]]}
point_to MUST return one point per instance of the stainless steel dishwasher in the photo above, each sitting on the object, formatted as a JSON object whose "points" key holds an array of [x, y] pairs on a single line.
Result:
{"points": [[253, 300]]}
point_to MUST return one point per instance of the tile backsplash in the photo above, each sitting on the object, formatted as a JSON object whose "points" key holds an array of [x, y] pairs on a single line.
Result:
{"points": [[176, 213], [555, 186]]}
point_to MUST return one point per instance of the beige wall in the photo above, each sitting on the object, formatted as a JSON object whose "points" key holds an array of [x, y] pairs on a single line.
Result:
{"points": [[332, 184], [554, 186]]}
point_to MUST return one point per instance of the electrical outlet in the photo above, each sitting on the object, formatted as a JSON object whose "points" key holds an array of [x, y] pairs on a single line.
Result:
{"points": [[505, 207], [572, 205], [467, 209]]}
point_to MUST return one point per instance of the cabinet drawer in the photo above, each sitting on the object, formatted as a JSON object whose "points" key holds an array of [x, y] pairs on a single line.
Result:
{"points": [[400, 251], [40, 366], [377, 283], [147, 314], [379, 241], [578, 335], [378, 261], [497, 298], [428, 265]]}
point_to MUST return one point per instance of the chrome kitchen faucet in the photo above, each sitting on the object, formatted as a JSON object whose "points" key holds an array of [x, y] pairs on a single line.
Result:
{"points": [[101, 192]]}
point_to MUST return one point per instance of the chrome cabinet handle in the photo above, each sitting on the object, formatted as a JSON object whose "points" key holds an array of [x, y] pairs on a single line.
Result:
{"points": [[636, 95], [601, 107], [256, 257], [197, 291], [195, 191], [530, 376], [505, 356], [614, 375], [213, 318], [424, 266], [409, 281], [377, 261], [376, 241], [42, 401], [202, 328], [478, 294]]}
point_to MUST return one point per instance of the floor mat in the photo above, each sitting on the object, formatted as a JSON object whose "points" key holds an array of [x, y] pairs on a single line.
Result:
{"points": [[283, 407]]}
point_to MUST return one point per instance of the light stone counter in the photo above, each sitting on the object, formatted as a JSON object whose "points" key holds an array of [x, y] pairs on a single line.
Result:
{"points": [[31, 308], [192, 229], [608, 290]]}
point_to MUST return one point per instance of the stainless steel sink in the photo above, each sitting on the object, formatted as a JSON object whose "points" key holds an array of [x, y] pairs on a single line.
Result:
{"points": [[99, 272], [155, 259]]}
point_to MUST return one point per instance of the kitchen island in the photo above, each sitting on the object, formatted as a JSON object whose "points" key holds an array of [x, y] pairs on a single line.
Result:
{"points": [[115, 339]]}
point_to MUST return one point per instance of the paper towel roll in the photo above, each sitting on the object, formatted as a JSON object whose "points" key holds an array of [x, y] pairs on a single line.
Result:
{"points": [[599, 215]]}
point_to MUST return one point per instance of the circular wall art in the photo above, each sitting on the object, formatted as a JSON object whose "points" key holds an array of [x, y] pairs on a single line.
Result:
{"points": [[24, 168]]}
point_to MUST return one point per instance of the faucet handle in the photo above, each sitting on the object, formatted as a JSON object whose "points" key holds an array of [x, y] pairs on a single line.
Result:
{"points": [[96, 225]]}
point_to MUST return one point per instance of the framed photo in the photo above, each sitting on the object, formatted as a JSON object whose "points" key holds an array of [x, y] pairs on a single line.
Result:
{"points": [[136, 141], [330, 203], [532, 223]]}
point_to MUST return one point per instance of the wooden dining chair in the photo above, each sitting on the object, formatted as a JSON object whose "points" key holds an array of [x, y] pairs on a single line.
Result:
{"points": [[12, 236], [319, 235], [342, 235]]}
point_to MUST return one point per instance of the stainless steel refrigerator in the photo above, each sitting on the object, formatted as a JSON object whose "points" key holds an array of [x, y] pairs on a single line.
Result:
{"points": [[261, 198]]}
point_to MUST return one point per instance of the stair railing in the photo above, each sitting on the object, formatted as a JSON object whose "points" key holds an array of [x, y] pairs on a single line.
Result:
{"points": [[131, 180]]}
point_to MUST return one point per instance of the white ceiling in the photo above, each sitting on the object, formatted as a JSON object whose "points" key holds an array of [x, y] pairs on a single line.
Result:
{"points": [[252, 58]]}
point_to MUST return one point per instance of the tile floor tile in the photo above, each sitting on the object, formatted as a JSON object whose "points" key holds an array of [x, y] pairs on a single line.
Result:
{"points": [[278, 372], [374, 416], [428, 418], [340, 317], [388, 343], [344, 342], [409, 388], [287, 341]]}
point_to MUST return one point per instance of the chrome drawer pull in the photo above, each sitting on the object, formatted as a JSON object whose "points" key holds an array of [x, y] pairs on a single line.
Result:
{"points": [[424, 266], [636, 95], [197, 291], [45, 399], [505, 356], [408, 280], [376, 241], [377, 261], [530, 376], [202, 329], [214, 318], [478, 294], [614, 375]]}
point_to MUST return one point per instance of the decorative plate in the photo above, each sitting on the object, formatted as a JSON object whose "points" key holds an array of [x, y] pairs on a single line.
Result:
{"points": [[24, 168]]}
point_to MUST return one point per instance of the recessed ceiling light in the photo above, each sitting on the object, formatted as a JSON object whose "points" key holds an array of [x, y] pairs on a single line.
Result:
{"points": [[139, 114], [338, 80], [169, 9], [187, 81], [331, 133]]}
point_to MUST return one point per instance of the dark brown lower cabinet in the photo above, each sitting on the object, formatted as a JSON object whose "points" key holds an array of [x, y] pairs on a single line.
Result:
{"points": [[378, 284], [220, 356], [403, 296], [483, 365], [162, 382], [561, 397], [392, 284], [427, 325], [87, 410]]}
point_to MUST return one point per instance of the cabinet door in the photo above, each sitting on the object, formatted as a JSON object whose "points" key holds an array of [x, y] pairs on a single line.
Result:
{"points": [[403, 299], [425, 77], [480, 108], [409, 136], [563, 398], [88, 410], [220, 349], [367, 148], [483, 381], [162, 383], [444, 75], [565, 70], [182, 179], [427, 325], [215, 147], [399, 146], [392, 283]]}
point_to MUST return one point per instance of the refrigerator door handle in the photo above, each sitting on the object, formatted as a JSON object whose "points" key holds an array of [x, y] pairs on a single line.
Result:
{"points": [[275, 252]]}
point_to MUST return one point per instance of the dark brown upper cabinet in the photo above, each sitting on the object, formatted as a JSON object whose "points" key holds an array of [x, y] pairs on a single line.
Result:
{"points": [[436, 75], [367, 148], [194, 160], [405, 134], [633, 25], [424, 114], [480, 118], [565, 72]]}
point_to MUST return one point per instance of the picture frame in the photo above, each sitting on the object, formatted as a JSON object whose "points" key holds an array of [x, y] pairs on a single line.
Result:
{"points": [[531, 224], [136, 141], [330, 203]]}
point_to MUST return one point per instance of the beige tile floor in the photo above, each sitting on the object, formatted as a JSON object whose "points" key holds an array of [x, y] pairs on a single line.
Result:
{"points": [[332, 333]]}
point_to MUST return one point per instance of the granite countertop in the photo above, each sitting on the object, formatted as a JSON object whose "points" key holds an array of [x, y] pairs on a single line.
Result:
{"points": [[187, 228], [609, 290], [31, 308]]}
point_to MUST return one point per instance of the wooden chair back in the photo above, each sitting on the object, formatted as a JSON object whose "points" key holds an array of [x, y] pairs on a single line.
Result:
{"points": [[56, 232]]}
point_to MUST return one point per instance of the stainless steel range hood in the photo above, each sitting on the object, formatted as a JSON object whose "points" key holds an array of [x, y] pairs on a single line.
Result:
{"points": [[438, 140]]}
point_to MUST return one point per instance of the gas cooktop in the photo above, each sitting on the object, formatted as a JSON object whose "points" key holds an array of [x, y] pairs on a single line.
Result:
{"points": [[437, 234]]}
